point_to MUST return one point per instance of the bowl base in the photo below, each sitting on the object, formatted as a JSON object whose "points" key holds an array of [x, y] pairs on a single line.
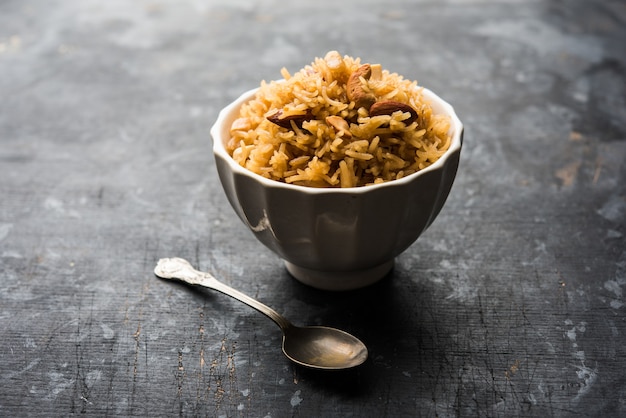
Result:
{"points": [[339, 280]]}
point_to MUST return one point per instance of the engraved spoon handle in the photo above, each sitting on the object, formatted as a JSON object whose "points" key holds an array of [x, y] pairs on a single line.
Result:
{"points": [[178, 268]]}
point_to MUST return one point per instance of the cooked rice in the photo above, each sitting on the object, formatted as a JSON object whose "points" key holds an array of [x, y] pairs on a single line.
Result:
{"points": [[374, 149]]}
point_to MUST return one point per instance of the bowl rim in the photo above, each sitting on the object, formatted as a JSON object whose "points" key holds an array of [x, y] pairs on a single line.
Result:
{"points": [[219, 149]]}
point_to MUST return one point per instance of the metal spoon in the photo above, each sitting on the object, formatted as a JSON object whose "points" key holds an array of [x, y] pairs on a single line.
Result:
{"points": [[316, 347]]}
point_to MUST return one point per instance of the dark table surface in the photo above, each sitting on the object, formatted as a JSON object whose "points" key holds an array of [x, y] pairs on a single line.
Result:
{"points": [[511, 304]]}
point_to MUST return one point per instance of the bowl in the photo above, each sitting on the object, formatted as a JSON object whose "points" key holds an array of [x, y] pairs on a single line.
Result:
{"points": [[337, 238]]}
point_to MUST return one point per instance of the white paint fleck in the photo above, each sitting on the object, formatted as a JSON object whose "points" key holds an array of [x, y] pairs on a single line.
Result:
{"points": [[245, 392], [614, 209], [580, 96], [107, 332], [407, 374], [613, 286], [281, 382], [440, 246], [446, 264], [58, 383], [500, 405], [241, 407], [56, 205], [30, 365], [11, 254], [462, 288], [571, 334], [121, 406], [93, 377], [540, 247], [296, 399], [185, 350], [463, 291], [52, 203], [4, 230], [588, 376], [154, 335]]}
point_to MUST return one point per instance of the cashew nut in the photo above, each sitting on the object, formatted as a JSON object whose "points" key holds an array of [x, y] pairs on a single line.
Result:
{"points": [[340, 125], [354, 89]]}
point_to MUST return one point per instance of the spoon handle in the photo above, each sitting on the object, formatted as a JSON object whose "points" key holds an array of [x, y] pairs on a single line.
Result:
{"points": [[178, 268]]}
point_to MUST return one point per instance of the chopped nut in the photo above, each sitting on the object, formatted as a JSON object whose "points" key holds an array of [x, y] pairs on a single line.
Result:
{"points": [[354, 89], [340, 125], [377, 72], [241, 124], [388, 107], [333, 60], [277, 118], [337, 66]]}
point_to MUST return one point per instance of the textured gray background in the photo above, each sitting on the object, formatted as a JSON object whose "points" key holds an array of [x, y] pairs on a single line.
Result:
{"points": [[511, 304]]}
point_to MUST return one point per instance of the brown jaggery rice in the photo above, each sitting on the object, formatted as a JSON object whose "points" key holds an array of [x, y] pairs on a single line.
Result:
{"points": [[307, 129]]}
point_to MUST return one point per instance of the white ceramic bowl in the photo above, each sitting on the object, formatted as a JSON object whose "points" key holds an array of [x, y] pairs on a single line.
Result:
{"points": [[334, 238]]}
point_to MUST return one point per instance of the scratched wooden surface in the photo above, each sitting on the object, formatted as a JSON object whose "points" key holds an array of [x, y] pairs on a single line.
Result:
{"points": [[512, 303]]}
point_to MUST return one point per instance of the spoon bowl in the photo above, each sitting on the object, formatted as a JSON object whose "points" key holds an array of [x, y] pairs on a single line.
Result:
{"points": [[326, 348], [315, 347]]}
